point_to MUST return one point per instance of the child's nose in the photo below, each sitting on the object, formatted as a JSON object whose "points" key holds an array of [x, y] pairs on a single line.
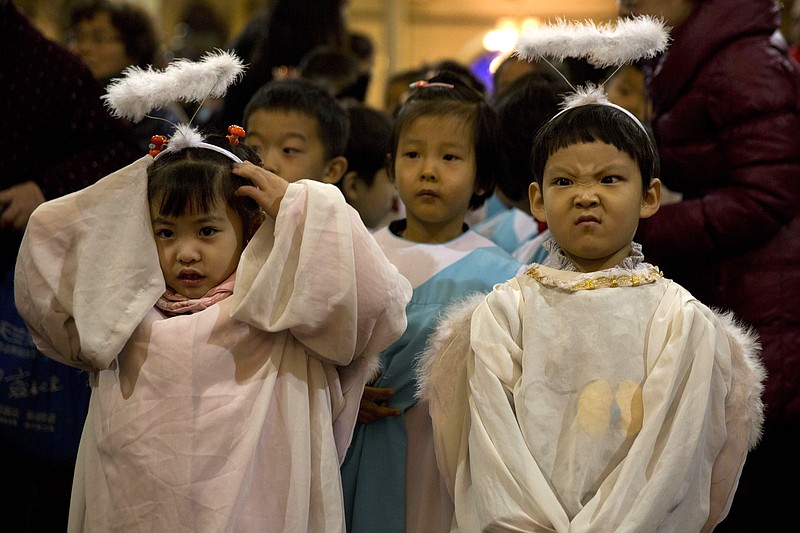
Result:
{"points": [[187, 254], [428, 170], [586, 198]]}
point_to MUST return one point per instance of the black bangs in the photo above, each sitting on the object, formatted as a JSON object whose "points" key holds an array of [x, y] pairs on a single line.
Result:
{"points": [[187, 186]]}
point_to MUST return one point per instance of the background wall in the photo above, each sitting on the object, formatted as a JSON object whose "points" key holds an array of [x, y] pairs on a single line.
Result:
{"points": [[406, 33]]}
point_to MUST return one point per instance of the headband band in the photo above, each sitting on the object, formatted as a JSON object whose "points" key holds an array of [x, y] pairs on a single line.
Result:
{"points": [[205, 145]]}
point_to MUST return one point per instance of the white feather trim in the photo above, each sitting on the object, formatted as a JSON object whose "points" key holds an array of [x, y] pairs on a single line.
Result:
{"points": [[446, 351], [185, 136], [585, 95], [601, 45], [139, 91], [744, 405]]}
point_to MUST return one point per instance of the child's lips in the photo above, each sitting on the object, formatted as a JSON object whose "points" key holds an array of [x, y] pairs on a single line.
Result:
{"points": [[427, 193], [190, 277], [587, 219]]}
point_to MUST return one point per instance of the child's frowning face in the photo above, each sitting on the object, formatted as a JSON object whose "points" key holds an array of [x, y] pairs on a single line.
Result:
{"points": [[197, 252], [289, 144], [591, 198], [435, 176]]}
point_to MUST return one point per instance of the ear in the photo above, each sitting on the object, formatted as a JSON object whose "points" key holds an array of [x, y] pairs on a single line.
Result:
{"points": [[652, 199], [537, 202], [335, 169], [350, 186]]}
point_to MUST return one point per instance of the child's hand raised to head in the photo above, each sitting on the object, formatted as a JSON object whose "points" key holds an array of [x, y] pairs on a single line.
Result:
{"points": [[267, 190]]}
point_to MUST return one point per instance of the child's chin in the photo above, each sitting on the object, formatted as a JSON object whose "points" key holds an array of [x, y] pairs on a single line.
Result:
{"points": [[192, 292]]}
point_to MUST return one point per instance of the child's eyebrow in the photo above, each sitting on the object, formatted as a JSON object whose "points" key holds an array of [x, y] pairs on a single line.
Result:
{"points": [[162, 221], [294, 134], [440, 144], [200, 220], [209, 218]]}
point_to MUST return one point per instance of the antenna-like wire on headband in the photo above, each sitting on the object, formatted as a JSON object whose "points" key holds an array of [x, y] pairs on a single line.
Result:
{"points": [[601, 46]]}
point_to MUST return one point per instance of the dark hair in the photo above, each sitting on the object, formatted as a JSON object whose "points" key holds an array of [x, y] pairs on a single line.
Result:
{"points": [[361, 45], [194, 179], [468, 104], [596, 123], [368, 145], [332, 68], [522, 108], [284, 33], [451, 65], [135, 25], [305, 97], [398, 84], [551, 65]]}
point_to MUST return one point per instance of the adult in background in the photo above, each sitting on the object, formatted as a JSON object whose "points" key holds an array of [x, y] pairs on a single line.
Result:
{"points": [[273, 43], [726, 112], [57, 138], [110, 36]]}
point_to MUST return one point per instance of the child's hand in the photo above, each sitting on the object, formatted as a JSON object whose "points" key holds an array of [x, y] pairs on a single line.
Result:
{"points": [[370, 410], [267, 190]]}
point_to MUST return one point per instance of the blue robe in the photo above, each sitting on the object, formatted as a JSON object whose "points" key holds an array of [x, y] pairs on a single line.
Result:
{"points": [[518, 233], [373, 474], [509, 229]]}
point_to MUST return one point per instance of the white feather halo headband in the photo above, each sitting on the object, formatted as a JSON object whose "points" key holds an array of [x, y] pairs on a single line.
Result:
{"points": [[138, 91], [600, 45]]}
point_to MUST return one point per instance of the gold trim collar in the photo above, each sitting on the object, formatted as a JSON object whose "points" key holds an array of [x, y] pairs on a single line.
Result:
{"points": [[610, 278]]}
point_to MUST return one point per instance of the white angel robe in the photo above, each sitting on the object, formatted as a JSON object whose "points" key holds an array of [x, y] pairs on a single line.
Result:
{"points": [[585, 402], [234, 418]]}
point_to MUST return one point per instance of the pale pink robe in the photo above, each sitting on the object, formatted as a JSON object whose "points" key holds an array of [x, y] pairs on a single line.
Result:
{"points": [[234, 418]]}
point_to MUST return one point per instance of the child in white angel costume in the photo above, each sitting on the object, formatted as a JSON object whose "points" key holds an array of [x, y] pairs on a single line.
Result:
{"points": [[229, 321], [592, 393]]}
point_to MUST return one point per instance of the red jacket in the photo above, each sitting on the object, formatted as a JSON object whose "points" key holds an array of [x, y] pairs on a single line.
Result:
{"points": [[726, 101]]}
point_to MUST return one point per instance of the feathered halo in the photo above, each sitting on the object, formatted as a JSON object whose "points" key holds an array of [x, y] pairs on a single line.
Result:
{"points": [[601, 46], [138, 91]]}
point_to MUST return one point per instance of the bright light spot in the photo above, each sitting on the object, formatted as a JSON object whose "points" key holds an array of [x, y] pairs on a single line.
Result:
{"points": [[503, 37]]}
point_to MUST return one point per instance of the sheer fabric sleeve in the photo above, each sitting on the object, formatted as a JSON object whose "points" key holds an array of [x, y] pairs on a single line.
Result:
{"points": [[500, 487], [87, 270], [318, 272]]}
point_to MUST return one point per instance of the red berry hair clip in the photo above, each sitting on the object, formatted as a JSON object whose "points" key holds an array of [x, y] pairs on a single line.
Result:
{"points": [[235, 134], [157, 142]]}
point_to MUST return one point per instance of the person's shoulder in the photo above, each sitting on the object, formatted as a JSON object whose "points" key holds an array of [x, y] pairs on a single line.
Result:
{"points": [[755, 75], [496, 259], [482, 242]]}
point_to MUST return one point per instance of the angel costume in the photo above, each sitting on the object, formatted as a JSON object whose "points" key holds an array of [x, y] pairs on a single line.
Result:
{"points": [[235, 413], [390, 478], [602, 401]]}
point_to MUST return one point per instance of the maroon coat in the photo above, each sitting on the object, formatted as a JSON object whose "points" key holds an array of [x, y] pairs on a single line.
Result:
{"points": [[726, 117]]}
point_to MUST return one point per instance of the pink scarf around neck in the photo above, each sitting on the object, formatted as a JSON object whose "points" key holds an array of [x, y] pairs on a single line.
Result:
{"points": [[173, 303]]}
